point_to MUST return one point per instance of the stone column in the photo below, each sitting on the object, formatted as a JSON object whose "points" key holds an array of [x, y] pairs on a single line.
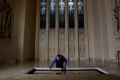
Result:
{"points": [[76, 31], [86, 34], [89, 25], [37, 52], [47, 28], [56, 28], [66, 31]]}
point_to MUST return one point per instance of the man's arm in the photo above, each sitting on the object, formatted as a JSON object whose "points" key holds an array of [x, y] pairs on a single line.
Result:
{"points": [[53, 62], [64, 66], [65, 63]]}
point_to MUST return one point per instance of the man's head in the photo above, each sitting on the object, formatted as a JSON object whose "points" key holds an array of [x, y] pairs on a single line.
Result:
{"points": [[58, 56]]}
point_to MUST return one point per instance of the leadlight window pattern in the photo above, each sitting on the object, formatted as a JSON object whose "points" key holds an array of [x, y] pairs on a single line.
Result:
{"points": [[62, 13], [71, 13], [43, 14], [80, 14], [52, 13]]}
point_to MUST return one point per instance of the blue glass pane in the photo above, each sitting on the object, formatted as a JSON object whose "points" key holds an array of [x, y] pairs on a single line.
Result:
{"points": [[71, 13], [43, 14], [52, 13], [80, 14], [61, 13]]}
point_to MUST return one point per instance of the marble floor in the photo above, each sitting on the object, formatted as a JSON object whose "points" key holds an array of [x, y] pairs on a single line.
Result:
{"points": [[18, 72]]}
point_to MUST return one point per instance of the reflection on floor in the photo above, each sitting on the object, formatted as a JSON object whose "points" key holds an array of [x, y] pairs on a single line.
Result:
{"points": [[17, 72]]}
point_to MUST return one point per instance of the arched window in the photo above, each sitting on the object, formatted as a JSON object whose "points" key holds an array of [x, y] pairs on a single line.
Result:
{"points": [[80, 13], [52, 13], [62, 13], [71, 13], [43, 14]]}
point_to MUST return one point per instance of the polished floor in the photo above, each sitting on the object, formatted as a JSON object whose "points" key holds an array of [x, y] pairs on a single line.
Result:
{"points": [[18, 72]]}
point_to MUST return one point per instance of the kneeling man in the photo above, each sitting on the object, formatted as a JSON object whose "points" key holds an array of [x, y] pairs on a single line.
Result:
{"points": [[61, 62]]}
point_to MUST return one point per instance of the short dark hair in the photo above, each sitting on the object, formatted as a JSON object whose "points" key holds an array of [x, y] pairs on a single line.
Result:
{"points": [[58, 55]]}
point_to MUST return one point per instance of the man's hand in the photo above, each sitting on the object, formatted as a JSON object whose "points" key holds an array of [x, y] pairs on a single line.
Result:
{"points": [[50, 68], [64, 70]]}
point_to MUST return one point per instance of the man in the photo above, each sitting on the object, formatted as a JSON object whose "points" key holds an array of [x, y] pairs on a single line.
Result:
{"points": [[61, 62]]}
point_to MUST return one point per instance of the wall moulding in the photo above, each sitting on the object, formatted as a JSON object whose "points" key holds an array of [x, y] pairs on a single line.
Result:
{"points": [[6, 18], [116, 11]]}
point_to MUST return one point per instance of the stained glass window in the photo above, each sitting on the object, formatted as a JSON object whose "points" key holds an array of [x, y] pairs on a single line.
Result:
{"points": [[61, 13], [71, 13], [80, 14], [52, 13], [43, 14]]}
